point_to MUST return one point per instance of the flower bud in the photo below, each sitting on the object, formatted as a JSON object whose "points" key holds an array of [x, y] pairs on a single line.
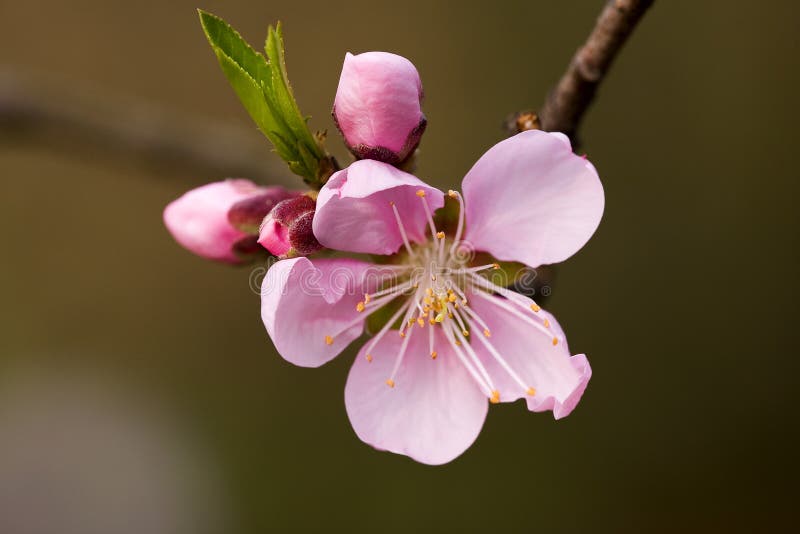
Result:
{"points": [[220, 220], [286, 231], [377, 106]]}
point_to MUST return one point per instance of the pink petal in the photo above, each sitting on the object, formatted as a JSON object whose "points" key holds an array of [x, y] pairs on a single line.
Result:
{"points": [[559, 380], [354, 211], [530, 199], [432, 414], [377, 105], [306, 305], [198, 220], [274, 237]]}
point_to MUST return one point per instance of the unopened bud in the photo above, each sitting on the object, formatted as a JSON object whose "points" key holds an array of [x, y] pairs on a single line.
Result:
{"points": [[378, 106], [215, 220], [287, 230], [248, 214]]}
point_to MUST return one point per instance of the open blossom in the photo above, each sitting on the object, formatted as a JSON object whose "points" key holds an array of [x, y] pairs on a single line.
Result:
{"points": [[219, 220], [377, 106], [455, 341]]}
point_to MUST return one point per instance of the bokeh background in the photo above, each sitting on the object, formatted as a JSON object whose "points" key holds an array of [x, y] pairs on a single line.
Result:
{"points": [[139, 391]]}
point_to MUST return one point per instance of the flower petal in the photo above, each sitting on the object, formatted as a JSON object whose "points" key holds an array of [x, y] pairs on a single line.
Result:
{"points": [[354, 211], [559, 380], [530, 199], [432, 414], [309, 309]]}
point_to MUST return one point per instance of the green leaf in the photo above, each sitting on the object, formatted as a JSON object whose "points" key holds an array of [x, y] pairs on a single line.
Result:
{"points": [[262, 85], [222, 36], [308, 158], [282, 92], [245, 69]]}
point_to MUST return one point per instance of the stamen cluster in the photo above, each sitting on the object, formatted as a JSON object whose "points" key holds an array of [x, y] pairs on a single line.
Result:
{"points": [[434, 281]]}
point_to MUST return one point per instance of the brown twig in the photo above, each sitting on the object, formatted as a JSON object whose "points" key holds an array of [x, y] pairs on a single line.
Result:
{"points": [[570, 98], [568, 101], [90, 123]]}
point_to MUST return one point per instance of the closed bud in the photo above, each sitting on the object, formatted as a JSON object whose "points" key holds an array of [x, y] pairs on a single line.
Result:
{"points": [[287, 231], [220, 220], [248, 214], [378, 106]]}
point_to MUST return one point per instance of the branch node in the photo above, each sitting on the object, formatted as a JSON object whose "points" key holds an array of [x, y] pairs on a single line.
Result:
{"points": [[522, 121]]}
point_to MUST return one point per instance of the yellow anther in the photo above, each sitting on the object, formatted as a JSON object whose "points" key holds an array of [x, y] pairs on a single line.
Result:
{"points": [[458, 343], [434, 354], [411, 321], [328, 340], [555, 341], [452, 297], [495, 266], [495, 398], [465, 332], [440, 235], [439, 318], [369, 357], [547, 323], [431, 321], [390, 382], [452, 194], [429, 292], [420, 322], [428, 301], [420, 193], [535, 307], [360, 307], [402, 334], [487, 333], [449, 315], [531, 391], [367, 298], [454, 306]]}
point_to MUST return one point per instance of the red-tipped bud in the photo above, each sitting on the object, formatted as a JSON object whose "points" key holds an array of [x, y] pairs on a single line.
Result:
{"points": [[287, 232], [248, 214]]}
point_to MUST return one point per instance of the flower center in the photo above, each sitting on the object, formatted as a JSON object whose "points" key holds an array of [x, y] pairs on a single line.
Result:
{"points": [[435, 280]]}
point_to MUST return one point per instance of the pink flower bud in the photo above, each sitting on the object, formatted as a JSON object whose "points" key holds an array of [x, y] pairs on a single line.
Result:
{"points": [[377, 106], [287, 232], [220, 220]]}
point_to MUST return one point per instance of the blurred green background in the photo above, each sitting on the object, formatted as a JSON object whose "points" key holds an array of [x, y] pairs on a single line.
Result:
{"points": [[139, 391]]}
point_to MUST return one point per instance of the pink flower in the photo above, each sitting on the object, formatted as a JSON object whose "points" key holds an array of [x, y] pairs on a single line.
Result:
{"points": [[219, 220], [286, 232], [455, 341], [377, 106]]}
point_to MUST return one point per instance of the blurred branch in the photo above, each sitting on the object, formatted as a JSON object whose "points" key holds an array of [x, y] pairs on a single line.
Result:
{"points": [[570, 98], [90, 123]]}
